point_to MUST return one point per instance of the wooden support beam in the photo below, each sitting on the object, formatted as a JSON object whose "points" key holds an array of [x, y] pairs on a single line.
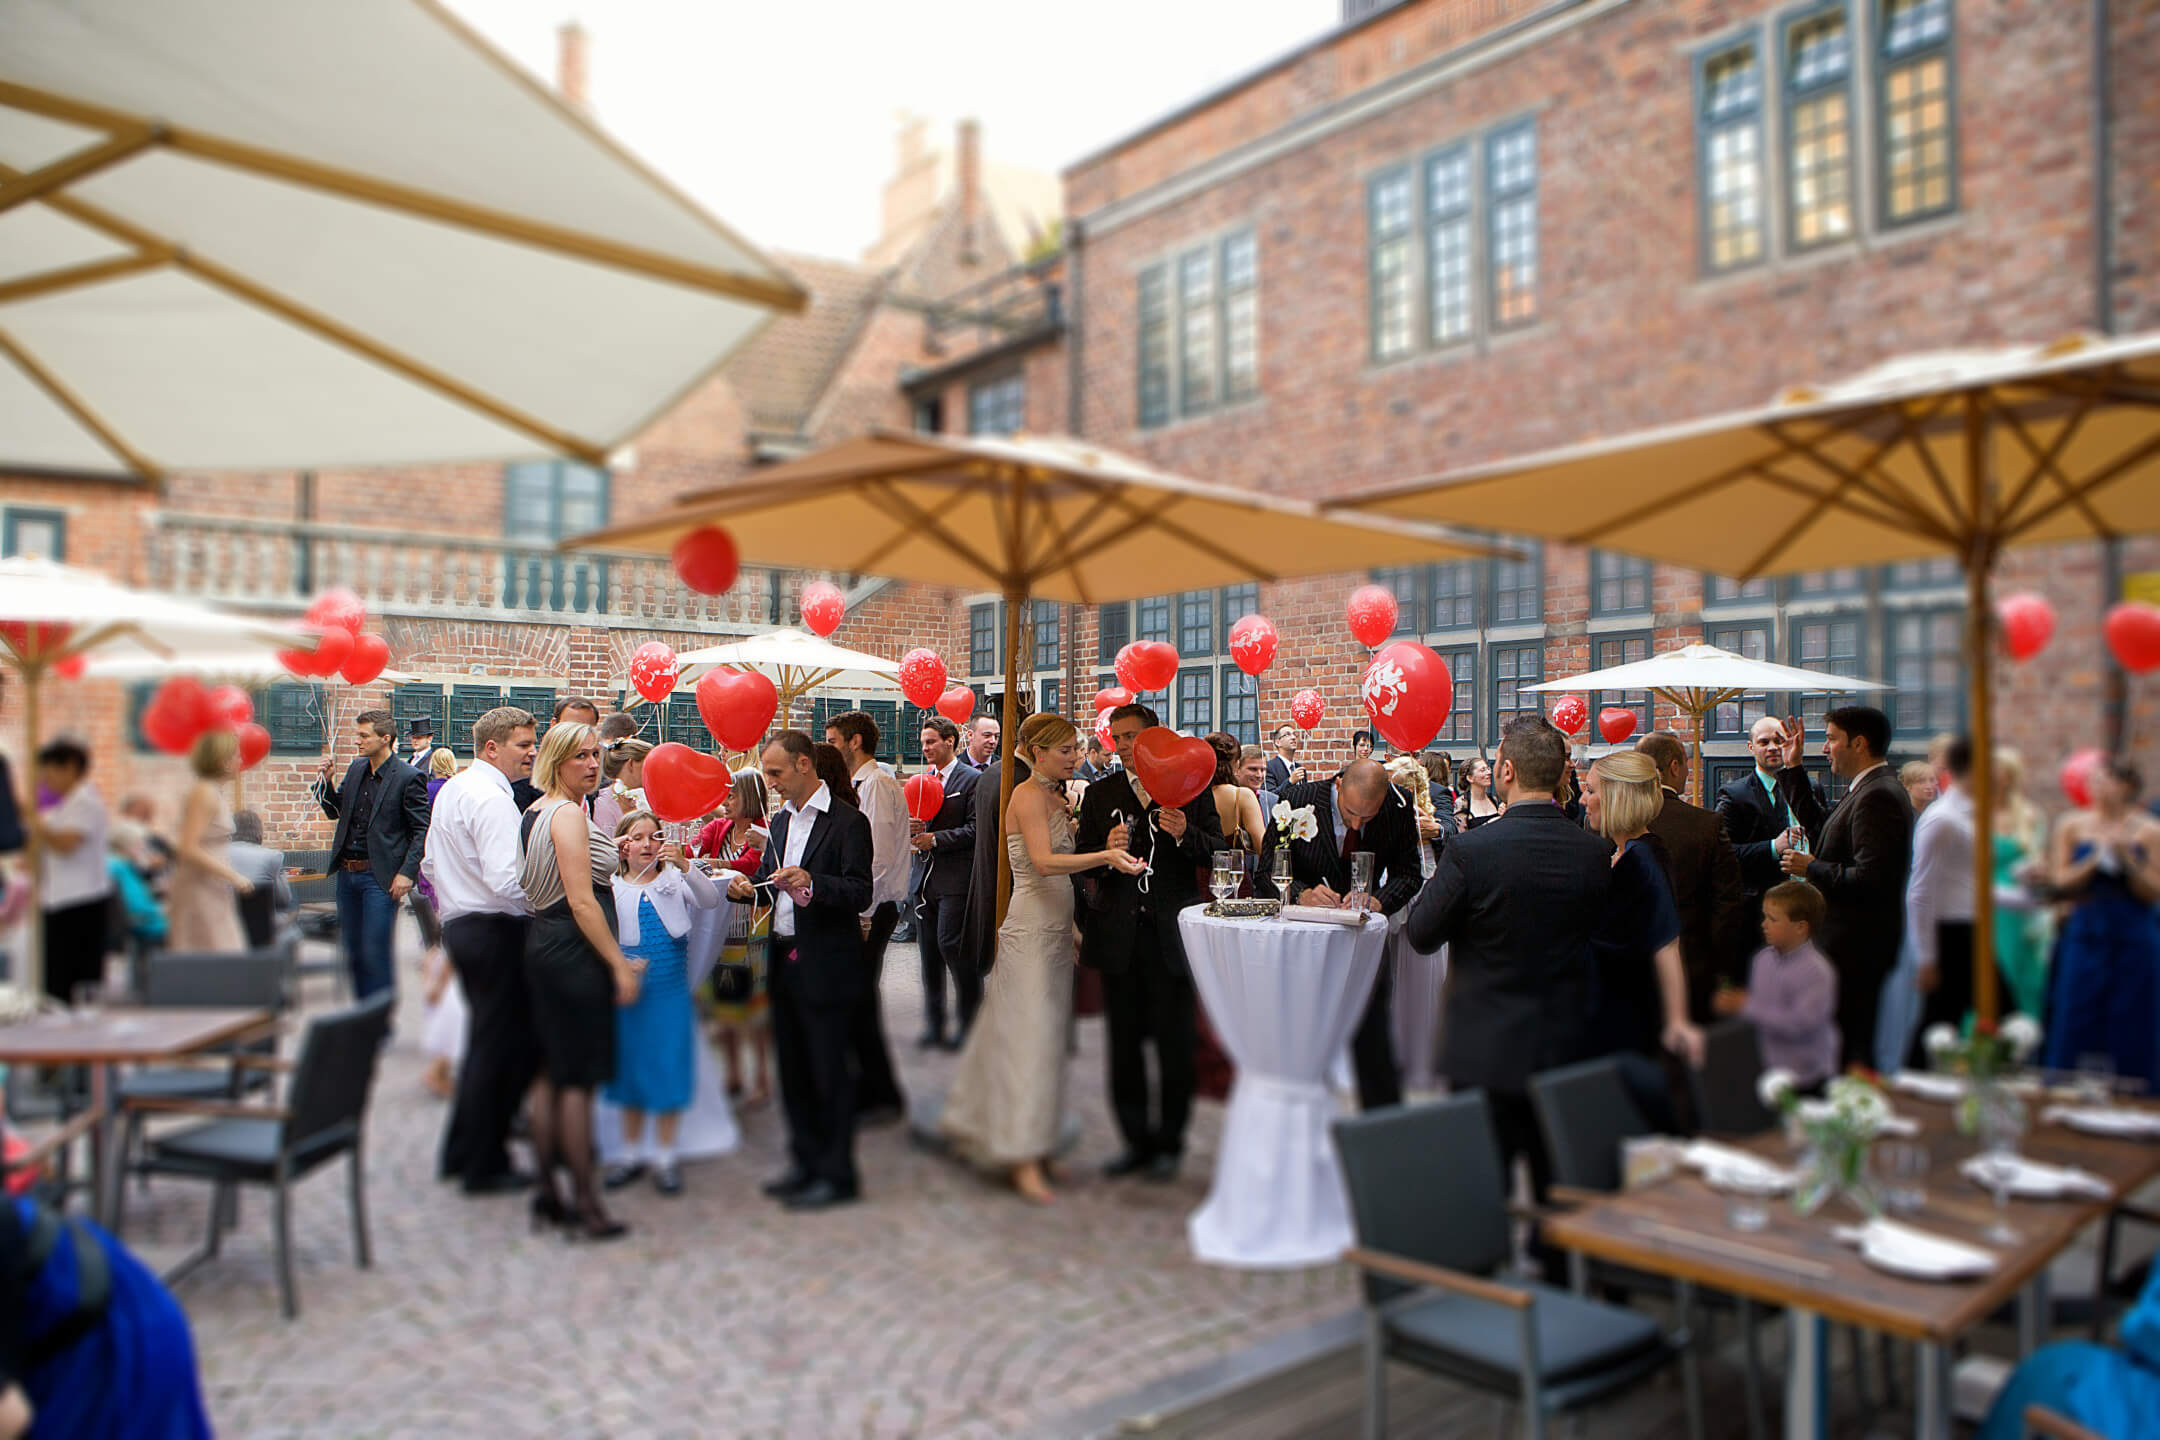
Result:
{"points": [[75, 277], [75, 405], [124, 143]]}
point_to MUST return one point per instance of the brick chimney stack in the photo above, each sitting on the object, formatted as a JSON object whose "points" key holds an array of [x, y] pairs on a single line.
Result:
{"points": [[967, 179], [570, 63]]}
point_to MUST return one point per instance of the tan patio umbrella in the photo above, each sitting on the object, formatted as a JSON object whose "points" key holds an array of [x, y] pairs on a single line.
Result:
{"points": [[1960, 453], [796, 661], [1031, 517]]}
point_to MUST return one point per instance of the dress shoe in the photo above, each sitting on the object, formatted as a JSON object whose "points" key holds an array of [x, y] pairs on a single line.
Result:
{"points": [[954, 1043], [821, 1195], [929, 1040], [875, 1117], [509, 1182], [1132, 1162], [1162, 1170], [667, 1179], [618, 1176], [791, 1184]]}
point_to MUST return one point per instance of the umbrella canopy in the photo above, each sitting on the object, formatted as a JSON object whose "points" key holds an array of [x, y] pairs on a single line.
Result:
{"points": [[240, 668], [1958, 453], [795, 661], [249, 234]]}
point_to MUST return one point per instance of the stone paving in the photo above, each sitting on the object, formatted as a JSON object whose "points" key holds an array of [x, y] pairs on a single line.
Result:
{"points": [[939, 1307]]}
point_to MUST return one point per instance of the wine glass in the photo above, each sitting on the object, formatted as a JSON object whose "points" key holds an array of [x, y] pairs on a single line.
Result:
{"points": [[1224, 882], [1361, 868], [2000, 1125], [1279, 872], [2096, 1077]]}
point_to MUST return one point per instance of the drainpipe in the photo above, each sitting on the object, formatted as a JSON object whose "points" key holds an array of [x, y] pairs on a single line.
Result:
{"points": [[303, 546], [2116, 703], [1074, 424]]}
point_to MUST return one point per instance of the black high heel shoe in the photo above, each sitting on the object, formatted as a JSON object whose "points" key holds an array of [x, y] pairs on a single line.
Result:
{"points": [[593, 1225], [547, 1210]]}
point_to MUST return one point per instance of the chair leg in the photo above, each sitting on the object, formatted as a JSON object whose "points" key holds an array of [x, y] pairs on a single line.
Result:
{"points": [[1858, 1344], [219, 1194], [1375, 1376], [2103, 1274], [359, 1208], [1690, 1360], [1752, 1371], [282, 1204], [1886, 1355]]}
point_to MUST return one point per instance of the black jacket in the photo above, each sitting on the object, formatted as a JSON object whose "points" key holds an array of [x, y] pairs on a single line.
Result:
{"points": [[978, 937], [1278, 773], [1518, 900], [1115, 908], [828, 931], [397, 831], [1392, 837], [1718, 936], [1753, 822], [1861, 859], [949, 866]]}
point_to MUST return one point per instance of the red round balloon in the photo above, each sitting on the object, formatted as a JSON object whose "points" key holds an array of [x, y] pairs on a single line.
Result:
{"points": [[1306, 707], [957, 704], [1110, 697], [1102, 730], [1147, 665], [682, 783], [1252, 643], [823, 606], [922, 677], [653, 671], [254, 745], [737, 707], [925, 796], [2028, 623], [1372, 612], [1571, 714], [370, 654], [338, 608], [2133, 634], [1616, 724], [1173, 767], [331, 650], [229, 707], [178, 712], [2077, 772], [1407, 692], [71, 667], [706, 560]]}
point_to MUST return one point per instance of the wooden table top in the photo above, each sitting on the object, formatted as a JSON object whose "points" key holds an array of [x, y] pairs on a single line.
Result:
{"points": [[1678, 1227], [124, 1034]]}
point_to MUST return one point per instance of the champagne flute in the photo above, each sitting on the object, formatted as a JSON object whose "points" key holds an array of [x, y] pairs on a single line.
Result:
{"points": [[1224, 882], [1279, 872], [1361, 868]]}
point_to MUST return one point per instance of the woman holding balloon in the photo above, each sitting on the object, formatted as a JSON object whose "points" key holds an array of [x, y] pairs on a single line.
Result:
{"points": [[200, 901]]}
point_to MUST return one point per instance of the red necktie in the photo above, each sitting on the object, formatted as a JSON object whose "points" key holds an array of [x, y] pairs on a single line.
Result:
{"points": [[1350, 838]]}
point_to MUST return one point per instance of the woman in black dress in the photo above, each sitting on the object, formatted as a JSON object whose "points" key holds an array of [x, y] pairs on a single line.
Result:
{"points": [[576, 973], [1640, 1004], [1475, 806]]}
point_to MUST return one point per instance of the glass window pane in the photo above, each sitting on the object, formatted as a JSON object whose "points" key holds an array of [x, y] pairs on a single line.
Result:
{"points": [[1152, 621], [1454, 595], [1519, 588], [1196, 322], [983, 640], [1154, 346], [1401, 581], [1461, 726], [1240, 704], [1916, 138], [1238, 601], [1048, 618], [1196, 623], [1196, 700], [1515, 666], [1752, 642], [1619, 584], [1829, 645], [1820, 52], [1608, 651], [1113, 629], [1914, 24]]}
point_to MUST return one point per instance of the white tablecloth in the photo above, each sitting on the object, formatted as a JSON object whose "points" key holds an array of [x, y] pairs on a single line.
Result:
{"points": [[1285, 997], [708, 1126], [1418, 981]]}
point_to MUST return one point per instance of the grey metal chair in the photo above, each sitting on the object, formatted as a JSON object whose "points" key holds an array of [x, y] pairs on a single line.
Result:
{"points": [[1724, 1088], [1431, 1217], [324, 1116]]}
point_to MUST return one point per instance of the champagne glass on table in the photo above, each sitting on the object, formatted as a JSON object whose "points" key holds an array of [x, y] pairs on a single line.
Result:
{"points": [[1361, 868], [1279, 872], [1224, 881]]}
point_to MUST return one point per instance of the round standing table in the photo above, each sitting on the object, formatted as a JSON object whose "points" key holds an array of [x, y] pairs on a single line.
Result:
{"points": [[1285, 997]]}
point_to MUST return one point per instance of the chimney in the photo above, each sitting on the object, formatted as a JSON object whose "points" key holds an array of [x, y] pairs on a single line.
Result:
{"points": [[570, 63], [967, 179]]}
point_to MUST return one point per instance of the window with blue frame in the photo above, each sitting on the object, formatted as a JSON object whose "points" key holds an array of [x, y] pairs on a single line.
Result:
{"points": [[1113, 631], [1734, 718], [1240, 704], [1240, 317], [293, 714], [1392, 263], [1729, 144], [1923, 574], [1818, 127], [33, 534], [1196, 700], [1401, 581], [1461, 726], [1049, 695], [1926, 654], [1152, 618], [1198, 358], [1518, 588], [998, 407], [537, 701], [1454, 587], [1048, 625], [983, 638], [1829, 645], [681, 723], [1844, 580], [1606, 651], [1915, 125], [1154, 345], [467, 704], [1719, 590], [1513, 667], [417, 702], [1450, 266], [1619, 584], [1511, 187], [1196, 623], [1237, 601]]}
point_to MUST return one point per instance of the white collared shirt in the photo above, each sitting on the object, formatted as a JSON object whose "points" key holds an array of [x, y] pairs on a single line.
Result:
{"points": [[1941, 887], [884, 805], [472, 846], [800, 823]]}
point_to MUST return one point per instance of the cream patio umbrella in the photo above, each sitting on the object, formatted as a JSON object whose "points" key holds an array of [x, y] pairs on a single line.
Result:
{"points": [[274, 234], [1031, 517], [1696, 679], [1959, 453], [797, 663]]}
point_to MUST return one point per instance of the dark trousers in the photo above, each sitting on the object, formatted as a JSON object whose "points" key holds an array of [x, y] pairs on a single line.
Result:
{"points": [[876, 1087], [817, 1074], [1150, 1001], [1372, 1048], [367, 918], [1515, 1128], [1859, 1001], [939, 924], [502, 1051], [1952, 998], [75, 947]]}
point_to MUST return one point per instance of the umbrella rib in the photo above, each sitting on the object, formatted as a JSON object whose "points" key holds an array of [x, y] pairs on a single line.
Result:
{"points": [[869, 562], [1136, 519], [2045, 463], [123, 142], [75, 405], [1071, 539], [2107, 475], [1058, 535], [907, 512], [1807, 490], [1887, 491], [1664, 503], [2040, 472], [1940, 481], [74, 277]]}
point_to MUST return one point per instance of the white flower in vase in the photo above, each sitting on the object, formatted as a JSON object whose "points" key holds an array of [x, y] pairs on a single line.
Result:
{"points": [[1774, 1088], [2022, 1033], [1939, 1037]]}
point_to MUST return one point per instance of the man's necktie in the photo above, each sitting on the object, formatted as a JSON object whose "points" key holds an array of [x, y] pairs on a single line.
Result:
{"points": [[1350, 836]]}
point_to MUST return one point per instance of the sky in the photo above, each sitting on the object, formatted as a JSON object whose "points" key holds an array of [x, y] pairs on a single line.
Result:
{"points": [[780, 117]]}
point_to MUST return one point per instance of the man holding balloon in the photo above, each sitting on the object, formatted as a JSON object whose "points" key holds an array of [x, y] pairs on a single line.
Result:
{"points": [[381, 810]]}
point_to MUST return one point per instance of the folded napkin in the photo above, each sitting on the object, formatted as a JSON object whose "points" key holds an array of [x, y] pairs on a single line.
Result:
{"points": [[1902, 1126], [1929, 1085], [2105, 1120], [1905, 1251], [1743, 1170], [2035, 1178]]}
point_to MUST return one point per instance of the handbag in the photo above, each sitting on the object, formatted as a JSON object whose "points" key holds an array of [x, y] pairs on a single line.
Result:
{"points": [[739, 974]]}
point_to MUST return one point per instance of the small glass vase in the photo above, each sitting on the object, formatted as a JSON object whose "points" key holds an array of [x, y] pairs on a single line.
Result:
{"points": [[1837, 1167], [1992, 1112]]}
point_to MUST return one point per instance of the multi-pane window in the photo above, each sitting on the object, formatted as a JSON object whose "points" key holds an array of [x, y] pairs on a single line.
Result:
{"points": [[1830, 645], [1401, 581], [1608, 651], [546, 500], [998, 407], [1196, 700], [1211, 354], [34, 534], [1240, 704], [1049, 691], [1196, 622], [1238, 601], [1926, 667], [420, 702], [1113, 629], [1461, 725], [1394, 274], [1196, 330], [1818, 129], [681, 723], [1514, 666], [1511, 179], [293, 714], [1844, 580], [467, 704], [1918, 164], [1153, 621], [1518, 588], [1240, 317], [1718, 590], [537, 701], [1732, 150], [1154, 346], [983, 639], [1734, 717], [1448, 246], [1454, 595], [1922, 574], [1048, 617], [1619, 584]]}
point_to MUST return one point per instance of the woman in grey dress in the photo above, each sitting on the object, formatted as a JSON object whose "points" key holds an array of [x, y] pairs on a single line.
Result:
{"points": [[1010, 1090]]}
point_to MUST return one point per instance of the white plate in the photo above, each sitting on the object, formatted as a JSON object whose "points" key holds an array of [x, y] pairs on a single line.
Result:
{"points": [[2033, 1180], [2106, 1120], [1915, 1254]]}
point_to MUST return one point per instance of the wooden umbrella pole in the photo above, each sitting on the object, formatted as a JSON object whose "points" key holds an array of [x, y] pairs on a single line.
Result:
{"points": [[1979, 657], [1009, 743], [32, 970]]}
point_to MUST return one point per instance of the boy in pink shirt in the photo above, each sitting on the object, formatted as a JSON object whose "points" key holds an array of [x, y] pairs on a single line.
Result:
{"points": [[1792, 991]]}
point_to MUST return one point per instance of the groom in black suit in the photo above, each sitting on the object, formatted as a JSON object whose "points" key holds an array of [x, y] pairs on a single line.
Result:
{"points": [[1131, 936], [1357, 810], [945, 846]]}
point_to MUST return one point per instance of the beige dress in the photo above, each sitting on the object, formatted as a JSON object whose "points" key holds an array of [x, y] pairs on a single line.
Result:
{"points": [[200, 909], [1009, 1093]]}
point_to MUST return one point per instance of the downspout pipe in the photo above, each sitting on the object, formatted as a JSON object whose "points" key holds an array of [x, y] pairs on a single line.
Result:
{"points": [[2116, 705]]}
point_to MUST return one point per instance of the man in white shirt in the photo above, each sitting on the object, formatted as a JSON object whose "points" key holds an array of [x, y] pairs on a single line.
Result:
{"points": [[1939, 903], [884, 804], [472, 864], [75, 888]]}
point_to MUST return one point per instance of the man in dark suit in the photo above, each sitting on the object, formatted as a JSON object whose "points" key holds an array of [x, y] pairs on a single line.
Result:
{"points": [[1283, 768], [1861, 861], [381, 810], [1131, 936], [816, 873], [1517, 900], [1718, 935], [1755, 818], [946, 848], [1357, 810]]}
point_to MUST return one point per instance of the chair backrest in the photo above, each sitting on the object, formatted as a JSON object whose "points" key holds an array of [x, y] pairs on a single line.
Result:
{"points": [[335, 1071], [253, 979], [1724, 1088], [1424, 1183], [1584, 1111]]}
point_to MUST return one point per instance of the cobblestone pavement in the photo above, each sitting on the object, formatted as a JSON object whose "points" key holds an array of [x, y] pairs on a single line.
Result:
{"points": [[941, 1306]]}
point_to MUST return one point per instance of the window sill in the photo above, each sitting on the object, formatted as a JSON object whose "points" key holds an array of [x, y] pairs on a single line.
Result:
{"points": [[1184, 422], [1883, 240]]}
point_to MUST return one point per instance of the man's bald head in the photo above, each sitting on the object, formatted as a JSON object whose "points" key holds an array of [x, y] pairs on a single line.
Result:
{"points": [[1668, 752], [1361, 791]]}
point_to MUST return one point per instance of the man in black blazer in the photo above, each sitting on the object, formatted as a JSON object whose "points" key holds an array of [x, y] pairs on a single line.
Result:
{"points": [[1357, 810], [1719, 935], [1861, 861], [1755, 817], [1131, 936], [816, 873], [381, 810], [945, 847], [1283, 769], [1517, 900]]}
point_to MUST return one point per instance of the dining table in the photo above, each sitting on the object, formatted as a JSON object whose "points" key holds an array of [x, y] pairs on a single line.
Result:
{"points": [[1679, 1226]]}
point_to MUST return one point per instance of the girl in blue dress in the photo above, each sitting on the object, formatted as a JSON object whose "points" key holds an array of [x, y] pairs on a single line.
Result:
{"points": [[656, 1035], [2104, 991]]}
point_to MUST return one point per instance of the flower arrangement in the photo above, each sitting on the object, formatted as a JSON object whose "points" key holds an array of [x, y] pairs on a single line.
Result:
{"points": [[1838, 1130], [1986, 1057], [1298, 824]]}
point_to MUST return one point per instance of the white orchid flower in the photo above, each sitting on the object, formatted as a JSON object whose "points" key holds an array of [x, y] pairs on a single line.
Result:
{"points": [[1774, 1087], [1939, 1037], [2023, 1034]]}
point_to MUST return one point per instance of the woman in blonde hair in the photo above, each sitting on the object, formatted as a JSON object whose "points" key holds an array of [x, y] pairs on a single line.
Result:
{"points": [[200, 899], [1639, 989], [2022, 925], [1009, 1095]]}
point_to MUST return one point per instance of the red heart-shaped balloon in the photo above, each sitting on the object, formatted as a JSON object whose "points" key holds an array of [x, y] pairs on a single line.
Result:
{"points": [[1102, 730], [1173, 767], [2133, 634], [1372, 611], [370, 653], [682, 783], [957, 704], [737, 707], [922, 677], [1407, 692], [925, 796], [254, 745], [1571, 714], [1147, 665], [653, 671], [1110, 697], [1616, 724], [823, 606], [1252, 643], [2028, 623], [1306, 707]]}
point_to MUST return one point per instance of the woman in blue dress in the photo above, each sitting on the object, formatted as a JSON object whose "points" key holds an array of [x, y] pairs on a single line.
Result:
{"points": [[2104, 992], [92, 1345], [656, 1035], [2115, 1393]]}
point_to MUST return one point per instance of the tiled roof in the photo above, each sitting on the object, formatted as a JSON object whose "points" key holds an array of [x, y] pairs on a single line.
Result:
{"points": [[781, 374]]}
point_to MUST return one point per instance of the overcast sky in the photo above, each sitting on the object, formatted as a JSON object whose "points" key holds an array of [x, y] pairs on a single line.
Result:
{"points": [[780, 117]]}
